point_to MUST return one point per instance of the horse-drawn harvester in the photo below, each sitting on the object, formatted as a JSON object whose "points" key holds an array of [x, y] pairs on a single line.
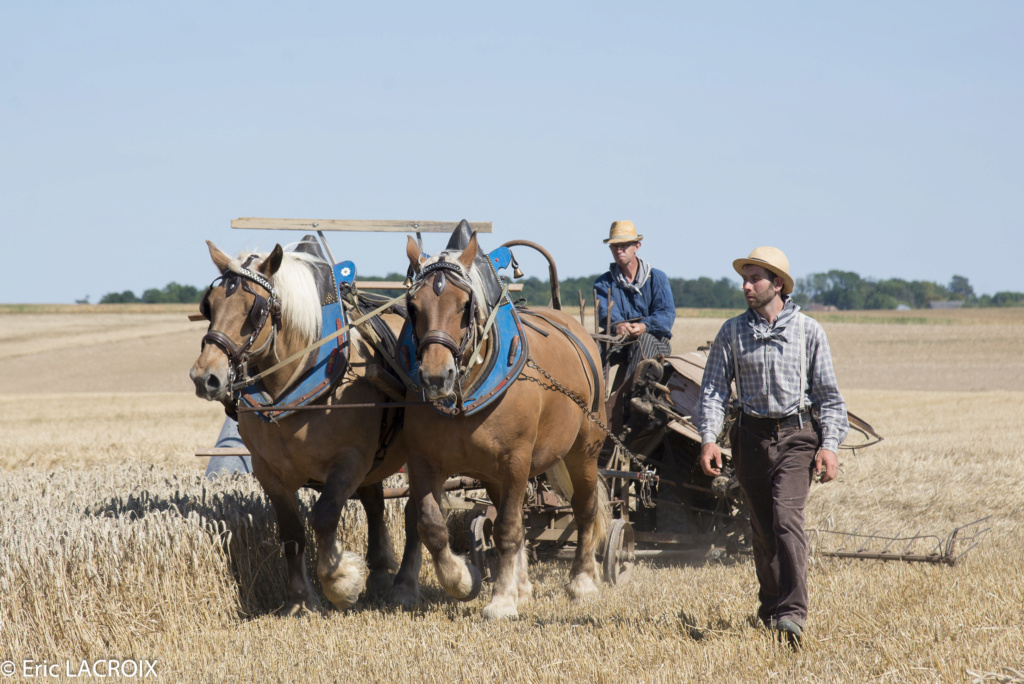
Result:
{"points": [[660, 504]]}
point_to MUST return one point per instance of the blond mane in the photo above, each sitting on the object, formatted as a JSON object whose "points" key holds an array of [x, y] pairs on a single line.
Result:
{"points": [[296, 287]]}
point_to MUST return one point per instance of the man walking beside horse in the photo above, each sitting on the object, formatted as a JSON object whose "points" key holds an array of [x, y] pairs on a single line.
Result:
{"points": [[792, 423]]}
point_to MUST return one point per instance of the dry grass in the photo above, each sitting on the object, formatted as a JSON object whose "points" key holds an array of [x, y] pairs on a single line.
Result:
{"points": [[115, 547], [50, 431], [970, 355]]}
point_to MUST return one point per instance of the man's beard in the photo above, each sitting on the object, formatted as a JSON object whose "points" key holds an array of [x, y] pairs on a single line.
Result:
{"points": [[762, 299]]}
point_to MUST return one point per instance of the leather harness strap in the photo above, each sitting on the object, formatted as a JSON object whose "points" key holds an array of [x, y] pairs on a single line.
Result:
{"points": [[579, 347], [445, 340], [263, 308]]}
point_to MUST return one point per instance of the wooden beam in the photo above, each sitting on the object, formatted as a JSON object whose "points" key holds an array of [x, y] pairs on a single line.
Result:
{"points": [[364, 226], [373, 285]]}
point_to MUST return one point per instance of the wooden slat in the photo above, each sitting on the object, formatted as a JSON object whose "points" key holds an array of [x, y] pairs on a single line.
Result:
{"points": [[373, 285], [253, 223]]}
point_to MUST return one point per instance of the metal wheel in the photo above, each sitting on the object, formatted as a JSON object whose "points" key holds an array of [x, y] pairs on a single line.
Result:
{"points": [[619, 553], [481, 546]]}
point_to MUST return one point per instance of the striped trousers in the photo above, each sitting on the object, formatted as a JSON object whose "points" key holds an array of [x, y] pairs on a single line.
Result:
{"points": [[628, 356]]}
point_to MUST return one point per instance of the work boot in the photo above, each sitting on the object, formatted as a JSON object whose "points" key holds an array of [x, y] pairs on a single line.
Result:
{"points": [[789, 632]]}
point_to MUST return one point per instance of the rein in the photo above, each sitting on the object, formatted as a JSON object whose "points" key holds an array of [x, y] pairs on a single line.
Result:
{"points": [[246, 382], [487, 328]]}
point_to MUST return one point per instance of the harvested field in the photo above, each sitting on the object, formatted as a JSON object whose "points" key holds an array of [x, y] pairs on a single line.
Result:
{"points": [[116, 548]]}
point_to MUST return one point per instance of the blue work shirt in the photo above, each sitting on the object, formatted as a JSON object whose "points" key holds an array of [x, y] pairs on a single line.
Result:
{"points": [[652, 305]]}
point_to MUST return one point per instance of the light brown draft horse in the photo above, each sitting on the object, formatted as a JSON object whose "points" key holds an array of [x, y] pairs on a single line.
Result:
{"points": [[335, 447], [528, 431]]}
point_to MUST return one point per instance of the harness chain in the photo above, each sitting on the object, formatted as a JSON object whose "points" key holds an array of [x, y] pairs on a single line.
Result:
{"points": [[591, 415], [645, 482], [316, 345]]}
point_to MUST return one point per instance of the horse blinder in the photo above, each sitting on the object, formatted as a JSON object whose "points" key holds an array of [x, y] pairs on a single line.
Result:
{"points": [[230, 283]]}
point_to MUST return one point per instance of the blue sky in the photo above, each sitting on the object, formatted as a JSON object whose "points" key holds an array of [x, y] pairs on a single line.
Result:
{"points": [[877, 137]]}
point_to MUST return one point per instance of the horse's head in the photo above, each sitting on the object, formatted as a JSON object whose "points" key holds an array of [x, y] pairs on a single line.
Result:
{"points": [[239, 305], [445, 305]]}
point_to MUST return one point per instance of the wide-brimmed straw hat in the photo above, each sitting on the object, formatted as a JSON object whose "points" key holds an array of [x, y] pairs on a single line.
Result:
{"points": [[772, 259], [622, 231]]}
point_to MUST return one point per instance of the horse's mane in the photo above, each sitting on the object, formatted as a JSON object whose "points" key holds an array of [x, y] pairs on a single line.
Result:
{"points": [[473, 276], [296, 288]]}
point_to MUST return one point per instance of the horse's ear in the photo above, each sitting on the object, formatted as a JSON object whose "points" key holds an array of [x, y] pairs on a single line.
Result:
{"points": [[273, 262], [469, 254], [412, 250], [220, 259]]}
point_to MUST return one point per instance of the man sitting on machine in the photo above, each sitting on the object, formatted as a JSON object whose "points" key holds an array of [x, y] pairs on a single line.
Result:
{"points": [[642, 310]]}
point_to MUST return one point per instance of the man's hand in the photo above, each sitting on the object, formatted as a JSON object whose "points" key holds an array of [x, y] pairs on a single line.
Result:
{"points": [[711, 459], [630, 329], [826, 460]]}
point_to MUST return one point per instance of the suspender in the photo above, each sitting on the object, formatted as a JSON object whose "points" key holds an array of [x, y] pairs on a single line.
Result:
{"points": [[736, 360], [803, 368], [801, 342]]}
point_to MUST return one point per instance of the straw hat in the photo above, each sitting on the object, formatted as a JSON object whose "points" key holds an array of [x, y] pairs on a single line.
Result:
{"points": [[622, 231], [772, 259]]}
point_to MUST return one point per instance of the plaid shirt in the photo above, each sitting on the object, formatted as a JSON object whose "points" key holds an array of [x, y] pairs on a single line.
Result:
{"points": [[769, 378]]}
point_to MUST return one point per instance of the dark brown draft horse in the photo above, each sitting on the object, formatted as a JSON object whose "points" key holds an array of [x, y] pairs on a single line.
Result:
{"points": [[336, 447], [528, 431]]}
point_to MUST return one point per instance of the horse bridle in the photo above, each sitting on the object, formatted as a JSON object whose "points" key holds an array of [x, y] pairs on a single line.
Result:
{"points": [[446, 271], [263, 308]]}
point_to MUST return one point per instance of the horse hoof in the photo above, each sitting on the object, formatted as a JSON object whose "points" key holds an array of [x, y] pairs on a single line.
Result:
{"points": [[476, 583], [404, 597], [497, 610], [298, 608], [379, 582], [345, 580], [581, 586]]}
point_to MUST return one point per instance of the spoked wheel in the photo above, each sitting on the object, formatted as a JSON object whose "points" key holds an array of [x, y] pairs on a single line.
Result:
{"points": [[481, 542], [619, 553]]}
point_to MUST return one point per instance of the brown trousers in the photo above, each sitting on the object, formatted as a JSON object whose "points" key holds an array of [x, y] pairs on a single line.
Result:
{"points": [[774, 469]]}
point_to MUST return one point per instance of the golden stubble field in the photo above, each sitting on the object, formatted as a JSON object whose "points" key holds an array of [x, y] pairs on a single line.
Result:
{"points": [[114, 547]]}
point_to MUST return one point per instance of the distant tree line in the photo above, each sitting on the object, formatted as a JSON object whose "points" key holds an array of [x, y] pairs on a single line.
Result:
{"points": [[172, 293], [847, 290], [700, 293], [841, 289]]}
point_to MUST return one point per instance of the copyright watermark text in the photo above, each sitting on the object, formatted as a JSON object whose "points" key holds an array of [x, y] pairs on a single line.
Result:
{"points": [[100, 668]]}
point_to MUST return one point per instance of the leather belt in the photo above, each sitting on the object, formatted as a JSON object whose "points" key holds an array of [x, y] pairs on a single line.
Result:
{"points": [[775, 424]]}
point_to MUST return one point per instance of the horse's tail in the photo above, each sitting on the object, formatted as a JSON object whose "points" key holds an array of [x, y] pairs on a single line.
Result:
{"points": [[558, 476]]}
